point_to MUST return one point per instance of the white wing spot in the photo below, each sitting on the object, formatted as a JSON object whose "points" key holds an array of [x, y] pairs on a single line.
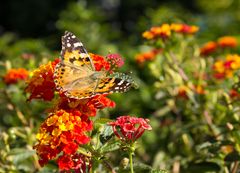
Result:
{"points": [[68, 45], [73, 36], [121, 82], [78, 44]]}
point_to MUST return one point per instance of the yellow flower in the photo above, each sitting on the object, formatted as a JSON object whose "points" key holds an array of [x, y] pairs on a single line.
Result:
{"points": [[219, 66], [148, 35]]}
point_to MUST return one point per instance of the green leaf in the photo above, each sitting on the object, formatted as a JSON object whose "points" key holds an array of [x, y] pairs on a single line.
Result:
{"points": [[106, 133], [20, 154], [49, 168], [110, 146], [102, 120], [142, 168], [159, 171]]}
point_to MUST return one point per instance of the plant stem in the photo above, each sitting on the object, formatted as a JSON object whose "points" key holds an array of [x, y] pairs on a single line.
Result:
{"points": [[235, 167], [131, 160], [108, 166]]}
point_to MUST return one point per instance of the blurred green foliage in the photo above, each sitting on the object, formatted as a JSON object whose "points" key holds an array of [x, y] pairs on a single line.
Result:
{"points": [[181, 135]]}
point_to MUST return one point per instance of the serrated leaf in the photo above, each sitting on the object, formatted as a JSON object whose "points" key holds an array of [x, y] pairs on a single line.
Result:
{"points": [[110, 146], [106, 133], [139, 168], [159, 171], [142, 168]]}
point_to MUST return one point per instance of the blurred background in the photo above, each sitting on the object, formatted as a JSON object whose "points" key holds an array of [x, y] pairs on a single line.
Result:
{"points": [[125, 19], [30, 34], [33, 27]]}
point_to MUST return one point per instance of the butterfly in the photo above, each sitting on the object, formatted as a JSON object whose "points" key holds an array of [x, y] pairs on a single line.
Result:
{"points": [[76, 77]]}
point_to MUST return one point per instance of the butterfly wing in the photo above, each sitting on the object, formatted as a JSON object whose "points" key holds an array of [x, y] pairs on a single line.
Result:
{"points": [[73, 53], [75, 69], [90, 86], [116, 82], [75, 75]]}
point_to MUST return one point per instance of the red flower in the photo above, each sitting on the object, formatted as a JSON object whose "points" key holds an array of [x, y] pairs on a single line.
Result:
{"points": [[234, 94], [76, 161], [100, 102], [87, 106], [208, 48], [182, 92], [14, 75], [100, 62], [62, 132], [41, 85], [129, 129]]}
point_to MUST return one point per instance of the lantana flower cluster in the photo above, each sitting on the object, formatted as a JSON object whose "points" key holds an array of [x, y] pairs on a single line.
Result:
{"points": [[14, 75], [226, 68], [62, 132], [147, 56], [68, 121], [129, 129], [182, 91], [165, 30], [222, 43]]}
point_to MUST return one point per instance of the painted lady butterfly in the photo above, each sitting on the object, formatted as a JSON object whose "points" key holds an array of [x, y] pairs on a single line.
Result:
{"points": [[76, 76]]}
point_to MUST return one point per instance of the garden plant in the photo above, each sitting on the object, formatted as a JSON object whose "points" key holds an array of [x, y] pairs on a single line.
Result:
{"points": [[160, 97]]}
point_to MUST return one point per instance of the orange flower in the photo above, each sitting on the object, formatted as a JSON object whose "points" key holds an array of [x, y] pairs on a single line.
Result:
{"points": [[184, 28], [208, 48], [14, 75], [87, 106], [199, 89], [41, 85], [226, 68], [227, 41], [62, 132], [163, 31], [184, 89], [182, 92], [226, 149], [148, 35], [147, 56]]}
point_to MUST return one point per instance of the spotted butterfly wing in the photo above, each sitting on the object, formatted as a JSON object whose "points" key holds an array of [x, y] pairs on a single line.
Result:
{"points": [[73, 52], [75, 75]]}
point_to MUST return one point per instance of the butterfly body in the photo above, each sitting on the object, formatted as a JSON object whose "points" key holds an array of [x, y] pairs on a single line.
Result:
{"points": [[76, 76]]}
